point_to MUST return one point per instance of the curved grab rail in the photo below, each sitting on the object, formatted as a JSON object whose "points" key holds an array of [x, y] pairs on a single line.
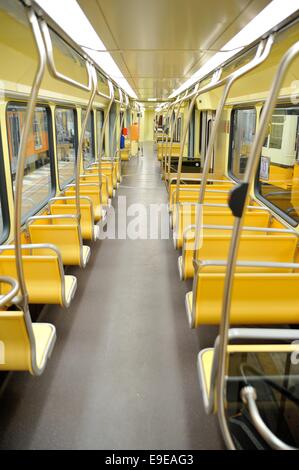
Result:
{"points": [[51, 62], [249, 397], [22, 152], [79, 160], [238, 200], [172, 136], [262, 53], [7, 298], [101, 145], [184, 137]]}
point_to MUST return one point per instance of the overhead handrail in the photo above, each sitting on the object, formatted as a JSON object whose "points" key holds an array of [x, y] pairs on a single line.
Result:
{"points": [[51, 62], [237, 202], [262, 53], [92, 87]]}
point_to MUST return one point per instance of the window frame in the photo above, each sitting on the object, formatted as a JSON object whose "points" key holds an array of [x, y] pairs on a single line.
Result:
{"points": [[76, 140], [46, 106], [257, 185], [4, 197], [231, 135]]}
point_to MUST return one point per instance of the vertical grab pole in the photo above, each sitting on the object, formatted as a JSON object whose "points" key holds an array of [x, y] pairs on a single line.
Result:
{"points": [[164, 135], [22, 153], [117, 151], [80, 162], [238, 200], [172, 136], [172, 110], [180, 162], [100, 149], [114, 132], [262, 53]]}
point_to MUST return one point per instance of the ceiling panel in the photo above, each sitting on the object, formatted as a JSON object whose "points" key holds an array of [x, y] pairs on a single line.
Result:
{"points": [[158, 44]]}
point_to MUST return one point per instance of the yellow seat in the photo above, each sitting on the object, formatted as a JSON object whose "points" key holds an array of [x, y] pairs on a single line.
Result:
{"points": [[215, 216], [94, 178], [108, 172], [190, 192], [258, 297], [63, 232], [42, 267], [125, 155], [90, 190], [207, 362], [253, 246], [26, 346], [65, 206]]}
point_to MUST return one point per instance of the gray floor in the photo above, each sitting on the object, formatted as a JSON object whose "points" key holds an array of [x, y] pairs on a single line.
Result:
{"points": [[123, 373]]}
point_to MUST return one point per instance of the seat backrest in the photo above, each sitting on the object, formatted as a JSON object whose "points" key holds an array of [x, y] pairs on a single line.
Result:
{"points": [[40, 270], [87, 219], [257, 298], [66, 237], [15, 343], [252, 248], [90, 191]]}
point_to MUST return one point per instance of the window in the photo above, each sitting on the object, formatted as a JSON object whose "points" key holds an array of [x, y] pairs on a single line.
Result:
{"points": [[242, 134], [88, 143], [278, 177], [100, 125], [177, 130], [38, 184], [66, 144]]}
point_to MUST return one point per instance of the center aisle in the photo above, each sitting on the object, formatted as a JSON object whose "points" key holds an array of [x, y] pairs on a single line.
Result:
{"points": [[123, 373]]}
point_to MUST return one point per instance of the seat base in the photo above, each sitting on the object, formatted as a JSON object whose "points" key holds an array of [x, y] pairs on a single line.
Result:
{"points": [[45, 337], [96, 232], [188, 305], [205, 360], [70, 286], [85, 255], [180, 266]]}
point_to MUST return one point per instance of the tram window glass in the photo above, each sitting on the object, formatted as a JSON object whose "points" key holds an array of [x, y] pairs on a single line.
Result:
{"points": [[38, 183], [88, 143], [278, 179], [100, 124], [65, 120], [242, 135]]}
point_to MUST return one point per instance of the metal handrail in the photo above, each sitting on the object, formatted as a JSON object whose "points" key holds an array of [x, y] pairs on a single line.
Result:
{"points": [[22, 152], [100, 147], [249, 397], [51, 61], [169, 135], [172, 136], [6, 298], [79, 161], [262, 53], [241, 192]]}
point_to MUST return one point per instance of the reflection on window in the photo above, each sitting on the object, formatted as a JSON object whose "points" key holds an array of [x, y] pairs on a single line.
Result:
{"points": [[66, 144], [37, 184], [243, 130], [279, 169], [88, 143], [275, 377]]}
